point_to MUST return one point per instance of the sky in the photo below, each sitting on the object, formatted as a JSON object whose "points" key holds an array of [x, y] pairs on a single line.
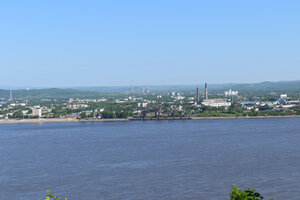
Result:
{"points": [[56, 43]]}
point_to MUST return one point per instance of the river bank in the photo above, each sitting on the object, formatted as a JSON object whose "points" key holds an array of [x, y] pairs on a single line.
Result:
{"points": [[246, 117], [49, 120], [33, 121]]}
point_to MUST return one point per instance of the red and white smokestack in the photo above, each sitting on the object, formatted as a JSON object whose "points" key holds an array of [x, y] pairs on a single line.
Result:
{"points": [[206, 94]]}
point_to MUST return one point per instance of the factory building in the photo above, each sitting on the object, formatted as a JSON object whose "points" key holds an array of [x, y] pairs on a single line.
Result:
{"points": [[216, 103]]}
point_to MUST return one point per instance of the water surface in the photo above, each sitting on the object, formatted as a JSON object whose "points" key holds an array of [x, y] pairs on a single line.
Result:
{"points": [[198, 159]]}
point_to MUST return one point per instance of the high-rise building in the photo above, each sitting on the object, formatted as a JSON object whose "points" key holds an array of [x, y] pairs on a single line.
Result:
{"points": [[197, 92], [37, 112]]}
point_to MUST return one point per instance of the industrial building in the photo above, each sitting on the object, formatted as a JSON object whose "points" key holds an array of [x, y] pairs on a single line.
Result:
{"points": [[213, 102], [216, 103]]}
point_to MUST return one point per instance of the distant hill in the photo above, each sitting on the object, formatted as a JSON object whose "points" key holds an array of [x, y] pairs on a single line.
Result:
{"points": [[95, 92], [264, 86], [53, 93], [107, 89]]}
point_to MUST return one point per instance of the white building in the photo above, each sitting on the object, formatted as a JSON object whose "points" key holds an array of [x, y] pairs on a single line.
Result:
{"points": [[179, 97], [180, 108], [175, 94], [231, 93], [37, 112], [120, 101], [101, 100], [216, 103], [283, 96], [77, 106], [24, 112], [142, 104]]}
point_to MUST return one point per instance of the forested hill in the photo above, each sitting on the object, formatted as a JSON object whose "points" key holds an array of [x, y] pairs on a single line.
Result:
{"points": [[264, 86], [52, 93], [96, 92], [282, 86]]}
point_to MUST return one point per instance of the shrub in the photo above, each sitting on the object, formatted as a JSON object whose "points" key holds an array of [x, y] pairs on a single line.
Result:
{"points": [[246, 194], [50, 196], [236, 194]]}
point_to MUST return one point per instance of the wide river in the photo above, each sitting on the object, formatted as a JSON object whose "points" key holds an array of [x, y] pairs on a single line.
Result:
{"points": [[194, 159]]}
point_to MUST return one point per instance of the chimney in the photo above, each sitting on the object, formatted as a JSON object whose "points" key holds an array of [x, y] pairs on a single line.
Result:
{"points": [[206, 95]]}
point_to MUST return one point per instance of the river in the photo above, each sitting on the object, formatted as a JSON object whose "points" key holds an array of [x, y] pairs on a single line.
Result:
{"points": [[190, 159]]}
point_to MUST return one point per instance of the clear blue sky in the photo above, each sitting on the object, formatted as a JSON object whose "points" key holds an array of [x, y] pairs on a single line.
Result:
{"points": [[157, 42]]}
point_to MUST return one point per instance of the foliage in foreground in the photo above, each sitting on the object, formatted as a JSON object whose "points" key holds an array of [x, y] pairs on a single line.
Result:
{"points": [[236, 194], [50, 196], [246, 194]]}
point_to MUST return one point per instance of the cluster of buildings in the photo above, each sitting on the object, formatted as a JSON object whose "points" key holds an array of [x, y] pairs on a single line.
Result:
{"points": [[282, 103], [173, 102], [218, 102], [142, 90], [23, 110]]}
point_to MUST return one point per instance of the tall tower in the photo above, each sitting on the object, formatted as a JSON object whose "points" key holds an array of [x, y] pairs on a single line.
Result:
{"points": [[206, 95], [10, 94], [197, 91], [131, 86]]}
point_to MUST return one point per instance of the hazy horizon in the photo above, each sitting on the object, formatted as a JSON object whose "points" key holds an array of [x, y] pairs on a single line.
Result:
{"points": [[6, 87]]}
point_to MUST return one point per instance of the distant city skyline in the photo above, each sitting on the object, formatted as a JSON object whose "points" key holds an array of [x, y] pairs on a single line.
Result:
{"points": [[97, 43]]}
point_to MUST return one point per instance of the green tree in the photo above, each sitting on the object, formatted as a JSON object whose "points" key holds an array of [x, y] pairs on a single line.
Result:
{"points": [[18, 114], [122, 114], [51, 196], [108, 114], [246, 194], [82, 115]]}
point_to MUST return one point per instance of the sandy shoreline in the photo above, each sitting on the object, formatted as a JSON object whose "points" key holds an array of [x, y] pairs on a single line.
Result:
{"points": [[34, 121], [42, 120], [14, 121]]}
